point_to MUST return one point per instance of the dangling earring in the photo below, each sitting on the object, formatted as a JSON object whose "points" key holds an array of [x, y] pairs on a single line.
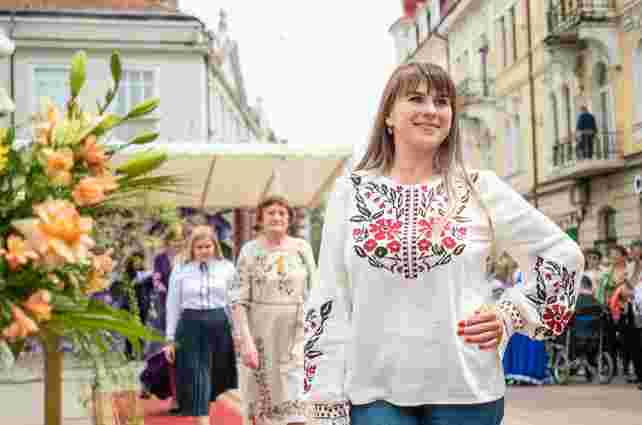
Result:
{"points": [[436, 163], [389, 130]]}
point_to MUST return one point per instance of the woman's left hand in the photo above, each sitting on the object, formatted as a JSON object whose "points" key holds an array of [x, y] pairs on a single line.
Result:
{"points": [[483, 328]]}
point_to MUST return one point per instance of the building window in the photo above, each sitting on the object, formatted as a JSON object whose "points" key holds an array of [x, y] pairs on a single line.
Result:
{"points": [[556, 120], [566, 92], [51, 82], [504, 41], [512, 143], [483, 53], [513, 31], [136, 86], [607, 225]]}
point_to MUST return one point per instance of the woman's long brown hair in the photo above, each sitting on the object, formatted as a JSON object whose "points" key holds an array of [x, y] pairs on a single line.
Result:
{"points": [[448, 161]]}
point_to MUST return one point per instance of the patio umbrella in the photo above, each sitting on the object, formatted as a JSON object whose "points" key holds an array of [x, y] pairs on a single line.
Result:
{"points": [[218, 176]]}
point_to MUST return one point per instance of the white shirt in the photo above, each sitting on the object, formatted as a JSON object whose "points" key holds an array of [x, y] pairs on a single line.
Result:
{"points": [[194, 287], [394, 283]]}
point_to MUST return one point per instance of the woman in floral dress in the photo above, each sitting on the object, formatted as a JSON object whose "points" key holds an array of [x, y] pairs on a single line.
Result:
{"points": [[276, 272]]}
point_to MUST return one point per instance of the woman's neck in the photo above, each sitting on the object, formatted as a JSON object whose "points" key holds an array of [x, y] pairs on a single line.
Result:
{"points": [[274, 240], [412, 167]]}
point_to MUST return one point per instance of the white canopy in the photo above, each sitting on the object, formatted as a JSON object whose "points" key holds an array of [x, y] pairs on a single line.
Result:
{"points": [[218, 176]]}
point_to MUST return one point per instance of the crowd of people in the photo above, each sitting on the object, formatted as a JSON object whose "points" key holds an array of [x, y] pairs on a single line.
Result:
{"points": [[226, 326], [612, 281]]}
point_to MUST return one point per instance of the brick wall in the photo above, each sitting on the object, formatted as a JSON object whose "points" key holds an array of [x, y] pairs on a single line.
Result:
{"points": [[90, 4]]}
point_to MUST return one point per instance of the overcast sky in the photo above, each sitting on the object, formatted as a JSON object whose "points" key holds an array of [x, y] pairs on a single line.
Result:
{"points": [[320, 66]]}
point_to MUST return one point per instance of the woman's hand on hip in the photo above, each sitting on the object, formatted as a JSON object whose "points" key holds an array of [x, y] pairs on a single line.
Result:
{"points": [[483, 328], [249, 355], [170, 353]]}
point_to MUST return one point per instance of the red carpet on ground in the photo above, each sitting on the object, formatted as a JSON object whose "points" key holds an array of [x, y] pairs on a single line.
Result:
{"points": [[156, 414]]}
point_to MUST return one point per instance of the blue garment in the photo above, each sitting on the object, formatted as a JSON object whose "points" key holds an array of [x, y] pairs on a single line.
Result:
{"points": [[586, 121], [525, 360], [384, 413]]}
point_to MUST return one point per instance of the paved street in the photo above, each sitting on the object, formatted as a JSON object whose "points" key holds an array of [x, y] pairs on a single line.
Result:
{"points": [[617, 404], [582, 404]]}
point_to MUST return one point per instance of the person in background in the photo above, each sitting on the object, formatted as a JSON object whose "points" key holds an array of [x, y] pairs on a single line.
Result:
{"points": [[592, 272], [503, 275], [275, 275], [586, 131], [198, 330]]}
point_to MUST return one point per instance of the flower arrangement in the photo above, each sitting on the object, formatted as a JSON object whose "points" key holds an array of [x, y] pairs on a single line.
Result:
{"points": [[52, 190]]}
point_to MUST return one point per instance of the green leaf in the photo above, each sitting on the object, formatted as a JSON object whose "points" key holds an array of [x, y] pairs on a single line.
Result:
{"points": [[108, 122], [144, 138], [116, 68], [143, 109], [142, 163], [78, 73], [10, 137]]}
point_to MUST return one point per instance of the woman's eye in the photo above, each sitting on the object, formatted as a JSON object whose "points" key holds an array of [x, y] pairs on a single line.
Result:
{"points": [[442, 101], [415, 99]]}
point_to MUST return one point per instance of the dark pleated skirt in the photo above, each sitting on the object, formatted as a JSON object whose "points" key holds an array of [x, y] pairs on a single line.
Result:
{"points": [[205, 360]]}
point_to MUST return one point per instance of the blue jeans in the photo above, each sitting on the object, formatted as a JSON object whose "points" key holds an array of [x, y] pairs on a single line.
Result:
{"points": [[384, 413]]}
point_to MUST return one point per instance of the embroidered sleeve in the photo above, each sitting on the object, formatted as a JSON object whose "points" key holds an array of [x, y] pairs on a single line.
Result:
{"points": [[327, 319], [551, 261], [239, 288]]}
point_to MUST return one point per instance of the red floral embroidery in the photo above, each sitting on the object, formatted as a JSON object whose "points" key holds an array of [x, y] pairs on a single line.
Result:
{"points": [[556, 318], [554, 297], [394, 246], [370, 245], [424, 227], [385, 229], [394, 226], [449, 242]]}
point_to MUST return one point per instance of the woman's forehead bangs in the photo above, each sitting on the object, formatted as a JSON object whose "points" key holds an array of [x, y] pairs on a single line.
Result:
{"points": [[412, 77]]}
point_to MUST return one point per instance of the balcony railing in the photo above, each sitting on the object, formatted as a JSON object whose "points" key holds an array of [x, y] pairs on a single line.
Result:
{"points": [[565, 15], [469, 89], [590, 156]]}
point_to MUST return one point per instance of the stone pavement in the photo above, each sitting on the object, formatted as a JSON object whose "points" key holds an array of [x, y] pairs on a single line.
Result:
{"points": [[22, 394], [577, 404]]}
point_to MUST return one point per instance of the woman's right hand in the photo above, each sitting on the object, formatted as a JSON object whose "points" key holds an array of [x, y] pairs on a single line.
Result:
{"points": [[249, 355], [170, 353]]}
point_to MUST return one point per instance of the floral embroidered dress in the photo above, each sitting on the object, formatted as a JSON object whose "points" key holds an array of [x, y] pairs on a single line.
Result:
{"points": [[395, 278], [273, 284]]}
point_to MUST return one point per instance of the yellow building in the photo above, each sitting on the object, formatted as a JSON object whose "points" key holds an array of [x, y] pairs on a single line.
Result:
{"points": [[524, 69]]}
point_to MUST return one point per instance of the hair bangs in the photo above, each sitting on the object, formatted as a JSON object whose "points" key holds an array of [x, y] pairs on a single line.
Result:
{"points": [[434, 78]]}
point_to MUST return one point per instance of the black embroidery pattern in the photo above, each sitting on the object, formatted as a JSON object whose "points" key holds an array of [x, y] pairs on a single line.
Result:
{"points": [[404, 230], [314, 328], [554, 296]]}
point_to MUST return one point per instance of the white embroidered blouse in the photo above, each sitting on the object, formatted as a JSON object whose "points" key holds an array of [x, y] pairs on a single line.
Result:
{"points": [[396, 277]]}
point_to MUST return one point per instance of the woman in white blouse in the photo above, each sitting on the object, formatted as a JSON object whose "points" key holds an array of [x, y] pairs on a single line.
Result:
{"points": [[198, 330], [402, 328]]}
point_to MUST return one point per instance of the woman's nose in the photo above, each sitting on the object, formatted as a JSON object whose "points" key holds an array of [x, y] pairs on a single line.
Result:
{"points": [[428, 106]]}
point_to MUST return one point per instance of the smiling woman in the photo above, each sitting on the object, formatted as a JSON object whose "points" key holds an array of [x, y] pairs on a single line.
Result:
{"points": [[403, 327], [276, 272]]}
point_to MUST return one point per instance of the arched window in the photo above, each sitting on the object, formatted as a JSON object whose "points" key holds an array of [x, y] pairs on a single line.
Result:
{"points": [[602, 80], [607, 226]]}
